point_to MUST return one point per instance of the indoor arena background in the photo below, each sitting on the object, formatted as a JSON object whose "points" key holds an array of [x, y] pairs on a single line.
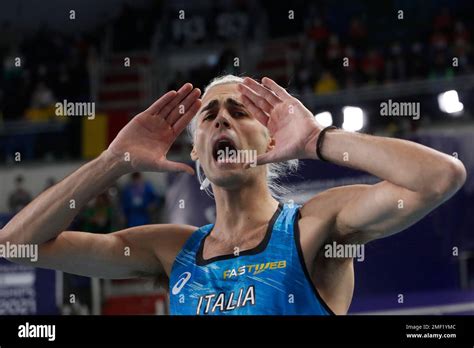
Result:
{"points": [[344, 59]]}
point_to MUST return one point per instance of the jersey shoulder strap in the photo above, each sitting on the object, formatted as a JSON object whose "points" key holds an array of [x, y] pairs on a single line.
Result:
{"points": [[188, 252]]}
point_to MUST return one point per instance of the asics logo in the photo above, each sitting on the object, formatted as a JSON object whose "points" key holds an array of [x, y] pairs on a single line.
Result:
{"points": [[183, 279]]}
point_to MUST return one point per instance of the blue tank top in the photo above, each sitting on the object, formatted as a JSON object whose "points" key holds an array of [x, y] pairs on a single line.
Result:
{"points": [[270, 279]]}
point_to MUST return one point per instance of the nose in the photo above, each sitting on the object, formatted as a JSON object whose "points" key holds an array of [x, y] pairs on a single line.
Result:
{"points": [[221, 121]]}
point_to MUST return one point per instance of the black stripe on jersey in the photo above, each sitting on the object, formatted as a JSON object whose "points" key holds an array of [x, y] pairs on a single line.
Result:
{"points": [[258, 249], [296, 233]]}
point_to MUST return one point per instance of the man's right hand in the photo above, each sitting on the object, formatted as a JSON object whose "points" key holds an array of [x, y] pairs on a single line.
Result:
{"points": [[143, 143]]}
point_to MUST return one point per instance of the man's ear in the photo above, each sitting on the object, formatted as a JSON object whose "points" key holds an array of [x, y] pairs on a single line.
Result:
{"points": [[193, 154], [271, 144]]}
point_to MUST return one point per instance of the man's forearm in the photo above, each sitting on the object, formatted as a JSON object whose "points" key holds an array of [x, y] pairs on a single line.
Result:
{"points": [[403, 163], [52, 211]]}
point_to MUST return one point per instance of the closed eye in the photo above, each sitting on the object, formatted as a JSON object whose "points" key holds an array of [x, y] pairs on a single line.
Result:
{"points": [[235, 113], [239, 114], [209, 117]]}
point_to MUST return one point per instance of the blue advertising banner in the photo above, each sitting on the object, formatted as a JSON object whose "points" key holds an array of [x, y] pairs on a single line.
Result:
{"points": [[25, 290]]}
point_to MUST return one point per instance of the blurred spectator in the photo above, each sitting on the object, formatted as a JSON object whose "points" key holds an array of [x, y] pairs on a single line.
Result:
{"points": [[334, 57], [42, 96], [351, 71], [372, 66], [462, 47], [395, 68], [439, 40], [357, 33], [304, 77], [138, 201], [64, 84], [417, 67], [318, 31], [19, 198], [326, 84], [443, 21], [462, 51], [440, 67], [97, 216], [461, 32], [334, 52], [114, 196]]}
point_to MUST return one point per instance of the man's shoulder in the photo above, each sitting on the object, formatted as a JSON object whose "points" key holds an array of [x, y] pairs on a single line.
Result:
{"points": [[167, 240], [170, 230]]}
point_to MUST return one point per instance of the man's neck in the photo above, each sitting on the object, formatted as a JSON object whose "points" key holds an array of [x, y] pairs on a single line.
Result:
{"points": [[245, 209]]}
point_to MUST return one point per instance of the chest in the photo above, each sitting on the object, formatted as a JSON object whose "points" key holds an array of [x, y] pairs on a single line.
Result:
{"points": [[214, 247], [241, 285]]}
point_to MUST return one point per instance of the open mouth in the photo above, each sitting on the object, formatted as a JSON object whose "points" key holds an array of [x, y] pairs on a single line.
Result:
{"points": [[222, 149]]}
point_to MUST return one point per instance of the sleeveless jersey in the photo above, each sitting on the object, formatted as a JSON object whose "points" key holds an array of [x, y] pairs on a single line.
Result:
{"points": [[270, 279]]}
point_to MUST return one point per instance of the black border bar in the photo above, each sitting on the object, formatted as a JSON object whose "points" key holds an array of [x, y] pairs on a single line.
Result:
{"points": [[223, 330]]}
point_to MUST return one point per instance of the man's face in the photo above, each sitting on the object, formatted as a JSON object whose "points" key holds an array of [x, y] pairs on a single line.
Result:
{"points": [[225, 126]]}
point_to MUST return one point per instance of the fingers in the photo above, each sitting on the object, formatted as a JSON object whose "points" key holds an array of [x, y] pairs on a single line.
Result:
{"points": [[258, 113], [179, 97], [184, 120], [161, 102], [183, 107], [265, 92], [175, 167], [269, 157], [258, 100], [276, 88]]}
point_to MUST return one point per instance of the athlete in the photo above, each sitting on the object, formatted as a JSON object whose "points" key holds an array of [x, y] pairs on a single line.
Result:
{"points": [[260, 256]]}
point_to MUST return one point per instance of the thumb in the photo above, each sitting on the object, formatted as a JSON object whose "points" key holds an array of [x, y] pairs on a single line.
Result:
{"points": [[172, 166]]}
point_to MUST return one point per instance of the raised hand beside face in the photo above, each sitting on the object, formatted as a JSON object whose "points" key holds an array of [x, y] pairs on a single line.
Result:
{"points": [[292, 126]]}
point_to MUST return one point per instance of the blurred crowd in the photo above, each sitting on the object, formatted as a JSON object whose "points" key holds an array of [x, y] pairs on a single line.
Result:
{"points": [[121, 206], [342, 45], [56, 66], [41, 69], [422, 53]]}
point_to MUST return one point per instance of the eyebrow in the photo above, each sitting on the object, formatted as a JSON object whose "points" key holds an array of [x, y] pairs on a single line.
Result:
{"points": [[211, 105], [230, 102], [234, 103]]}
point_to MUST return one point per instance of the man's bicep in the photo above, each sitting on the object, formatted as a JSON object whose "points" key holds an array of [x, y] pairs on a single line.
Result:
{"points": [[112, 256], [130, 253], [376, 211]]}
